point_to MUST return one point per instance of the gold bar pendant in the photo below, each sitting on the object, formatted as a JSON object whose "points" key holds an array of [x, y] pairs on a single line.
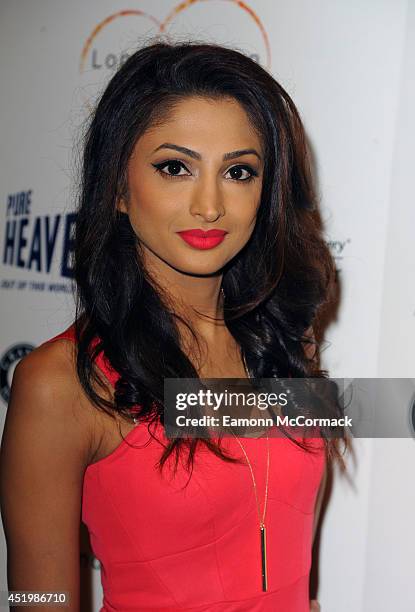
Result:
{"points": [[262, 531]]}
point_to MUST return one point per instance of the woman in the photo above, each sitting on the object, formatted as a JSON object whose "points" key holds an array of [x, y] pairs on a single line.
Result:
{"points": [[198, 253]]}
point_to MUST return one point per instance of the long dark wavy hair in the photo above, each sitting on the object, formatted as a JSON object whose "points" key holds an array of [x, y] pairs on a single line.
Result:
{"points": [[273, 287]]}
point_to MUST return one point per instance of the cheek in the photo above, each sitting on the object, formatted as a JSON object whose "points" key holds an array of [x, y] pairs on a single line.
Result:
{"points": [[244, 213], [150, 210]]}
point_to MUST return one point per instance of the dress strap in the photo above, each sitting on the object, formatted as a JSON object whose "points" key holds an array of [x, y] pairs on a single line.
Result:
{"points": [[101, 360]]}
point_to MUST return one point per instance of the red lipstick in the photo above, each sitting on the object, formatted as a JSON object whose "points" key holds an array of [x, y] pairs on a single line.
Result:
{"points": [[200, 239]]}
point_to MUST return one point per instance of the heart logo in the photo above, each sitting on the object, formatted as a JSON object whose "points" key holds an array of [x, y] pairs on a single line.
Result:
{"points": [[91, 58]]}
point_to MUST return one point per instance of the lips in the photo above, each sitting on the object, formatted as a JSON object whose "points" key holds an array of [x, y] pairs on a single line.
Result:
{"points": [[200, 239]]}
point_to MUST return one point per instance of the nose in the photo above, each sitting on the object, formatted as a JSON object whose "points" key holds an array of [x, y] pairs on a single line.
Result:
{"points": [[207, 199]]}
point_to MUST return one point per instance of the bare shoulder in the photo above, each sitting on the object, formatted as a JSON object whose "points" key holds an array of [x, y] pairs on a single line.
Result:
{"points": [[57, 356], [47, 398], [45, 449]]}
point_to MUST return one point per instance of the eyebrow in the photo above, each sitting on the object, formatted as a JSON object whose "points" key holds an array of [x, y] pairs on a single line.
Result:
{"points": [[195, 155]]}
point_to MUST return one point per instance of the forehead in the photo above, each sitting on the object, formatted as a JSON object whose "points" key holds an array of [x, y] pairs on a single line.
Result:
{"points": [[203, 123]]}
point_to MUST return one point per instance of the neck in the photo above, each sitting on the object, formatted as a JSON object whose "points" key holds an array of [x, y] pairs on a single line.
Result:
{"points": [[196, 299]]}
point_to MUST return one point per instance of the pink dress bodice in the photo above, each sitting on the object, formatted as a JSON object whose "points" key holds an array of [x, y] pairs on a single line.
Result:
{"points": [[164, 546]]}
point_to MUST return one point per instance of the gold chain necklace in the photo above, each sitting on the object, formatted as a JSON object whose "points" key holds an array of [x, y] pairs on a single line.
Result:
{"points": [[262, 528]]}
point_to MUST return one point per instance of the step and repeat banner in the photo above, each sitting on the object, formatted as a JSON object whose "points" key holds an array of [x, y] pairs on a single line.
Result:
{"points": [[349, 68]]}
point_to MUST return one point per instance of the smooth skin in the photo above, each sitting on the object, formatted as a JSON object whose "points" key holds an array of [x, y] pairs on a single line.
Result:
{"points": [[202, 167], [178, 179]]}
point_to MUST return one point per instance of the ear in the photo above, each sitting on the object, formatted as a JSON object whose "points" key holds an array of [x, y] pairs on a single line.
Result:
{"points": [[121, 205], [310, 349]]}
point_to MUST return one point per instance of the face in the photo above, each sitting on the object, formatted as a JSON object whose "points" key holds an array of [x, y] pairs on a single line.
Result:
{"points": [[200, 170]]}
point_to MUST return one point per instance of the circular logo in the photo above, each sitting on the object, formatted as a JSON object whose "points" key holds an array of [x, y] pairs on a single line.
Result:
{"points": [[8, 362]]}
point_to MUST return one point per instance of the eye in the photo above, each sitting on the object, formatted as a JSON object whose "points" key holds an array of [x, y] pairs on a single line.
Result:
{"points": [[240, 169], [174, 166]]}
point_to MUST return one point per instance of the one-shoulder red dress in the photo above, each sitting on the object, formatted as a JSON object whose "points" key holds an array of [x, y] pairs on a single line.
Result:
{"points": [[163, 546]]}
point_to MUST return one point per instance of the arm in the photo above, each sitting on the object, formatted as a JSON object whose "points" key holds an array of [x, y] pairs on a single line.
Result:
{"points": [[45, 450], [319, 500], [310, 351], [314, 604]]}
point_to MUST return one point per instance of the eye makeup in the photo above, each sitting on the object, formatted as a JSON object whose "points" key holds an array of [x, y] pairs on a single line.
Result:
{"points": [[176, 162]]}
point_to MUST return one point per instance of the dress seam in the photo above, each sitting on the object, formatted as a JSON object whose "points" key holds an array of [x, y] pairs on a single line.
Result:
{"points": [[180, 552], [282, 501], [215, 540], [263, 595], [155, 573]]}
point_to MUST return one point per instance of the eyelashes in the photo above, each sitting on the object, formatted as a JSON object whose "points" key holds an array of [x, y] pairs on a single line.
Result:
{"points": [[175, 162]]}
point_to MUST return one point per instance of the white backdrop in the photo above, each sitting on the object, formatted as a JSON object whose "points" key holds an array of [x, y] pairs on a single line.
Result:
{"points": [[349, 67]]}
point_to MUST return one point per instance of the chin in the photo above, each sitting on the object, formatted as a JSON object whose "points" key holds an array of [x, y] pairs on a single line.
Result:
{"points": [[195, 265], [199, 270]]}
